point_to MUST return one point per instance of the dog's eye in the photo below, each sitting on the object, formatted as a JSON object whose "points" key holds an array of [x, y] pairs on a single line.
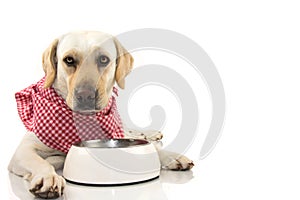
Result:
{"points": [[70, 61], [103, 60]]}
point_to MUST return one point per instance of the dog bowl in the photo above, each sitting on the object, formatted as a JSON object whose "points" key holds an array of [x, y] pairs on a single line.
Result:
{"points": [[111, 162]]}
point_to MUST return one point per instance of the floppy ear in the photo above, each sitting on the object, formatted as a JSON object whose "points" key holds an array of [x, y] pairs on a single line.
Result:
{"points": [[124, 64], [50, 63]]}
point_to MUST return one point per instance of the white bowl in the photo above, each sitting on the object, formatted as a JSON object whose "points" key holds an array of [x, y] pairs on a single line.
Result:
{"points": [[111, 162]]}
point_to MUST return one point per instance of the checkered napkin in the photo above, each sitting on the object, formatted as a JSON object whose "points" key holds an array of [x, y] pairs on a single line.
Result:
{"points": [[46, 114]]}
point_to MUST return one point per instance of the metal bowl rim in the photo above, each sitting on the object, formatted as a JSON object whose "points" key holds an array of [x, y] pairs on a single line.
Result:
{"points": [[83, 143]]}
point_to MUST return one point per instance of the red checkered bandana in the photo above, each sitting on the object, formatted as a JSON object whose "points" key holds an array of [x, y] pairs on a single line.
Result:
{"points": [[46, 114]]}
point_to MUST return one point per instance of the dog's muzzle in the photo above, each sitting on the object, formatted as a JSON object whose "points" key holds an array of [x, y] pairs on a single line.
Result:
{"points": [[85, 98]]}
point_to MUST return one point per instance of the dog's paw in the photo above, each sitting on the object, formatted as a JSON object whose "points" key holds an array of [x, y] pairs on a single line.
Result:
{"points": [[174, 161], [152, 135], [47, 187], [146, 135]]}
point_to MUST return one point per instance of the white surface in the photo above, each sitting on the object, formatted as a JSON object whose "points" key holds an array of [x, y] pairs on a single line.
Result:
{"points": [[255, 46], [158, 189]]}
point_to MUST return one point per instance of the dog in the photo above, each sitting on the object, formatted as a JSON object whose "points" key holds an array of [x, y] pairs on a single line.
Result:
{"points": [[81, 69]]}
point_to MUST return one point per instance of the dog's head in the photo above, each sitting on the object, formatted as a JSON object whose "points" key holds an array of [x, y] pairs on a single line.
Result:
{"points": [[83, 66]]}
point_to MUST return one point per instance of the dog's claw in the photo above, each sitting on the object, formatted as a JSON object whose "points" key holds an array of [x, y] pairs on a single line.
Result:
{"points": [[180, 167], [47, 194], [53, 193]]}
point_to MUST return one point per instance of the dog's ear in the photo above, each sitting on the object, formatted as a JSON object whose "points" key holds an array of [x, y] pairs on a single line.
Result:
{"points": [[50, 63], [124, 64]]}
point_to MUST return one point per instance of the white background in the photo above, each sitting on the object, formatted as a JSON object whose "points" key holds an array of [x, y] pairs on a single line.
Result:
{"points": [[255, 46]]}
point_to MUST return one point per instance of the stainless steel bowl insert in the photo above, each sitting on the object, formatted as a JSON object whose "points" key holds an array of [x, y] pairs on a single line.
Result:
{"points": [[111, 143]]}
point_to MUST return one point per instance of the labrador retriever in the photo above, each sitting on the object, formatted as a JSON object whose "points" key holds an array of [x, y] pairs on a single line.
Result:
{"points": [[81, 69]]}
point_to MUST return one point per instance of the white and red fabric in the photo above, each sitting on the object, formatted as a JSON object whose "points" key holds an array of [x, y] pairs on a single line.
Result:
{"points": [[45, 113]]}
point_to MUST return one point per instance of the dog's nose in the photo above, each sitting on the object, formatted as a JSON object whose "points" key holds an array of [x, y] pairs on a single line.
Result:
{"points": [[85, 97]]}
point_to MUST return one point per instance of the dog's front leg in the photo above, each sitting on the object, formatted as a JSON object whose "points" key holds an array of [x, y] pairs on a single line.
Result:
{"points": [[169, 160], [26, 162]]}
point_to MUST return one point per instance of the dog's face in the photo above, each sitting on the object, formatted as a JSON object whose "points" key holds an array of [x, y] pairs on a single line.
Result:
{"points": [[83, 66]]}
